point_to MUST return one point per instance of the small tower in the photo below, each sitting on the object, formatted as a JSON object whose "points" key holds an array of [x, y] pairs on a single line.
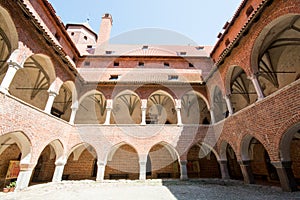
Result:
{"points": [[105, 29]]}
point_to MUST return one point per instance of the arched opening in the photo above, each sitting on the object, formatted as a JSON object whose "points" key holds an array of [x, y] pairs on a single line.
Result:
{"points": [[289, 151], [233, 166], [219, 105], [63, 101], [164, 162], [15, 148], [278, 56], [122, 163], [202, 163], [127, 108], [81, 163], [242, 91], [161, 109], [92, 108], [194, 109], [31, 83], [8, 40], [262, 169]]}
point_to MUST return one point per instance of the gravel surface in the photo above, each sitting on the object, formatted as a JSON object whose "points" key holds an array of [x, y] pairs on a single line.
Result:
{"points": [[151, 189]]}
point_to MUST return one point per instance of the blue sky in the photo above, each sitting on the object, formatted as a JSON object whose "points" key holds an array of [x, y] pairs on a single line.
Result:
{"points": [[170, 21]]}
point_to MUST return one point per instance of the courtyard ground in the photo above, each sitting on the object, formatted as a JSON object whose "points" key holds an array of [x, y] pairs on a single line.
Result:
{"points": [[150, 189]]}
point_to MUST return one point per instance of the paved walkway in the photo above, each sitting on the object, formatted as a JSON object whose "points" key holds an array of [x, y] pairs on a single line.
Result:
{"points": [[151, 189]]}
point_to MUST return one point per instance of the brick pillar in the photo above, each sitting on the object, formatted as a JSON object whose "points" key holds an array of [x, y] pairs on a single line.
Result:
{"points": [[286, 176], [10, 74], [100, 171], [224, 169], [59, 170], [109, 105], [229, 105], [183, 170], [74, 108], [246, 171], [144, 109], [178, 111], [51, 98], [260, 94], [24, 176]]}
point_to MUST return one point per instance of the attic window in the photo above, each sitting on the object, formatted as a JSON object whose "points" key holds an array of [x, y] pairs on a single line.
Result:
{"points": [[141, 64], [172, 77], [199, 47], [109, 52], [249, 11], [145, 47], [116, 64], [89, 46], [166, 64], [85, 37], [227, 42], [191, 65], [114, 77], [182, 53], [72, 33]]}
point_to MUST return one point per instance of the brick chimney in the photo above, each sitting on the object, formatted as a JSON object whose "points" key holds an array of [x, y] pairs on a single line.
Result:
{"points": [[105, 28]]}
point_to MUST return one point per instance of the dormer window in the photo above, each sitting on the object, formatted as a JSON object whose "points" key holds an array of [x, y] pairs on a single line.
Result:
{"points": [[116, 64], [141, 64], [166, 64], [172, 77], [145, 47], [85, 37], [114, 77], [182, 53]]}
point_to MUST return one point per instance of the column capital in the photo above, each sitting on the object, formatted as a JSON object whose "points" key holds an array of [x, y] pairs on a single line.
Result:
{"points": [[52, 93], [177, 104], [14, 65], [109, 104], [144, 103], [244, 162], [60, 162], [282, 164]]}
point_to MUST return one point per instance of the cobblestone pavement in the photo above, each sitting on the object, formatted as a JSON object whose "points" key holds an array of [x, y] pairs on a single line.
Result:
{"points": [[151, 189]]}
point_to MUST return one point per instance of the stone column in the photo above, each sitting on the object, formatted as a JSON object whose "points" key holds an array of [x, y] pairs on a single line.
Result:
{"points": [[260, 94], [109, 105], [59, 170], [143, 166], [183, 170], [229, 105], [286, 176], [24, 176], [212, 116], [10, 74], [144, 109], [74, 108], [178, 111], [51, 98], [224, 169], [100, 171], [246, 171]]}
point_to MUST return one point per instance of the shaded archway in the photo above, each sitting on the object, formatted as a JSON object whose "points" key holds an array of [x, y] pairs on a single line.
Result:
{"points": [[127, 108], [164, 162], [262, 169], [202, 163], [122, 163], [161, 109], [228, 154], [276, 53], [14, 146], [32, 82], [44, 169], [289, 152], [194, 109], [8, 40], [81, 163], [92, 108], [241, 90], [62, 104]]}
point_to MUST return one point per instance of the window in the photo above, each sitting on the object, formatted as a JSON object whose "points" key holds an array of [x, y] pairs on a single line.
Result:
{"points": [[116, 64], [85, 37], [191, 65], [141, 64], [72, 33], [109, 52], [172, 77], [89, 46], [182, 53], [145, 47], [114, 77], [199, 47], [166, 64], [249, 11], [87, 63]]}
